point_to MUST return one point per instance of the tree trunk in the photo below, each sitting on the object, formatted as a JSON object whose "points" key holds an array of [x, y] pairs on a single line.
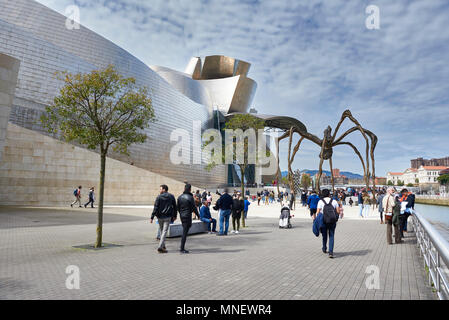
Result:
{"points": [[99, 241], [242, 170]]}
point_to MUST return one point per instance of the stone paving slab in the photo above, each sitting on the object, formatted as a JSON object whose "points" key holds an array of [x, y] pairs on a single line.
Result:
{"points": [[262, 262]]}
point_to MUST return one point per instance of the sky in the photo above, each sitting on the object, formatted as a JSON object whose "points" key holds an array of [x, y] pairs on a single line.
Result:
{"points": [[312, 60]]}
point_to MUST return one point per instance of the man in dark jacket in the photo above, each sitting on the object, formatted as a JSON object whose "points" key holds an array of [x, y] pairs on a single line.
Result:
{"points": [[186, 205], [224, 204], [165, 211]]}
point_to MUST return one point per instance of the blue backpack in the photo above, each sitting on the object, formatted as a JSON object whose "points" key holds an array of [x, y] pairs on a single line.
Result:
{"points": [[75, 192]]}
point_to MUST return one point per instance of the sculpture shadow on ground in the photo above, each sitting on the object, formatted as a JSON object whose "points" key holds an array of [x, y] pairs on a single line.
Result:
{"points": [[351, 253]]}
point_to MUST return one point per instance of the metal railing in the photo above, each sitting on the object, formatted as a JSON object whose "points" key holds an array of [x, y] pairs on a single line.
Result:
{"points": [[435, 250]]}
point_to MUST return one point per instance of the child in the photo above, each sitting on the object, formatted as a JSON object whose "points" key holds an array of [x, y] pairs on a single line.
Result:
{"points": [[351, 202]]}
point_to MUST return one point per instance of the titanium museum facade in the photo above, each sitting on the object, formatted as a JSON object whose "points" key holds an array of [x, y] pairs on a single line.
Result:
{"points": [[36, 169]]}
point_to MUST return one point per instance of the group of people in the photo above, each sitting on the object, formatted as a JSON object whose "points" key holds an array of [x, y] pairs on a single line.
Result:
{"points": [[77, 194], [396, 208], [166, 209]]}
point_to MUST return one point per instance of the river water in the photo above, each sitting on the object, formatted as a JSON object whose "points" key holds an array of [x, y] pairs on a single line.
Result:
{"points": [[436, 215]]}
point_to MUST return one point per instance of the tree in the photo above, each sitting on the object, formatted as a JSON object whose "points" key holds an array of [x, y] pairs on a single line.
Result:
{"points": [[306, 181], [101, 110], [410, 185], [443, 179], [400, 183], [243, 122], [390, 183], [417, 181]]}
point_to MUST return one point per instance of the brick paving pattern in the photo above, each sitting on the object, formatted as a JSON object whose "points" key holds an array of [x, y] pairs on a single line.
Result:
{"points": [[262, 262]]}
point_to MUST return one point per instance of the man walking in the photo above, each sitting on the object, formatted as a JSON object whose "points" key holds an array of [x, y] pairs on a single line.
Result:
{"points": [[77, 194], [224, 204], [312, 202], [91, 198], [165, 211], [186, 205], [330, 210]]}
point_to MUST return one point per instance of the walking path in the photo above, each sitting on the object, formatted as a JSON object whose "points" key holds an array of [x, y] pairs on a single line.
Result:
{"points": [[262, 262]]}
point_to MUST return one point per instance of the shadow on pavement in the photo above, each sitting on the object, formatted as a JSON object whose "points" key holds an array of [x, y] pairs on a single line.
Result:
{"points": [[351, 253]]}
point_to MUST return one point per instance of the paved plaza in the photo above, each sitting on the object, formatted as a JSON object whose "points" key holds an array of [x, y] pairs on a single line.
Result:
{"points": [[262, 262]]}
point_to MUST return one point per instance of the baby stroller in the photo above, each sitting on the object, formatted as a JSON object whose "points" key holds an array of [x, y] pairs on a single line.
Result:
{"points": [[284, 219]]}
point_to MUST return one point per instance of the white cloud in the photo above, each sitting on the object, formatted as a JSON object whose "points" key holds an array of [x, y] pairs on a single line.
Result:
{"points": [[311, 61]]}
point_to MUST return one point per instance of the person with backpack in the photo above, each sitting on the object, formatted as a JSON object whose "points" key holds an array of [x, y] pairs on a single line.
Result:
{"points": [[91, 198], [331, 211], [77, 194]]}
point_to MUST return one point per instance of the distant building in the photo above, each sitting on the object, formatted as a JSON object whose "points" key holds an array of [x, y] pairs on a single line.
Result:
{"points": [[381, 181], [429, 174], [416, 163], [394, 177], [410, 176]]}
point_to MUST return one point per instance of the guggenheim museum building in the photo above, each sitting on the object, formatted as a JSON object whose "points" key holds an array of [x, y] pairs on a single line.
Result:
{"points": [[38, 169]]}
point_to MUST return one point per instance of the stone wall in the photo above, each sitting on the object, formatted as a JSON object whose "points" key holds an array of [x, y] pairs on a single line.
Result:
{"points": [[38, 170], [9, 69]]}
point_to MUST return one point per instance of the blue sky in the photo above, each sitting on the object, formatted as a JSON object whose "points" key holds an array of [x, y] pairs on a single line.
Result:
{"points": [[311, 60]]}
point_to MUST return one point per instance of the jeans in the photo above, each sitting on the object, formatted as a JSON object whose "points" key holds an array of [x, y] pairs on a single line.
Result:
{"points": [[366, 208], [361, 209], [224, 220], [213, 223], [325, 230], [91, 202], [186, 224], [163, 227]]}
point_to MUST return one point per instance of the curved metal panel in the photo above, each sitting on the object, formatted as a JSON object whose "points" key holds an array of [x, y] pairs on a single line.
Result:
{"points": [[37, 36], [218, 67]]}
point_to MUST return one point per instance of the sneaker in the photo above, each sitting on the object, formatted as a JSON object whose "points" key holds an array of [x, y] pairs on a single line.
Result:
{"points": [[184, 251], [324, 251], [71, 205], [331, 255], [159, 250], [237, 231], [233, 231]]}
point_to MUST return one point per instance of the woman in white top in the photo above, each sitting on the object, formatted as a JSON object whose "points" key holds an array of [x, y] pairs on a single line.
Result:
{"points": [[328, 229]]}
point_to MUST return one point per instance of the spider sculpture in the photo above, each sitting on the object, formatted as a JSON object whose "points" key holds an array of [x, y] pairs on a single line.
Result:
{"points": [[327, 144]]}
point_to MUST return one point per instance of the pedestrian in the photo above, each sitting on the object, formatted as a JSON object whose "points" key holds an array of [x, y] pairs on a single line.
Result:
{"points": [[165, 209], [77, 194], [380, 206], [246, 207], [237, 209], [186, 206], [366, 204], [388, 205], [331, 211], [360, 203], [259, 197], [407, 202], [312, 203], [224, 205], [206, 217], [197, 200], [91, 198], [209, 198], [351, 202]]}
